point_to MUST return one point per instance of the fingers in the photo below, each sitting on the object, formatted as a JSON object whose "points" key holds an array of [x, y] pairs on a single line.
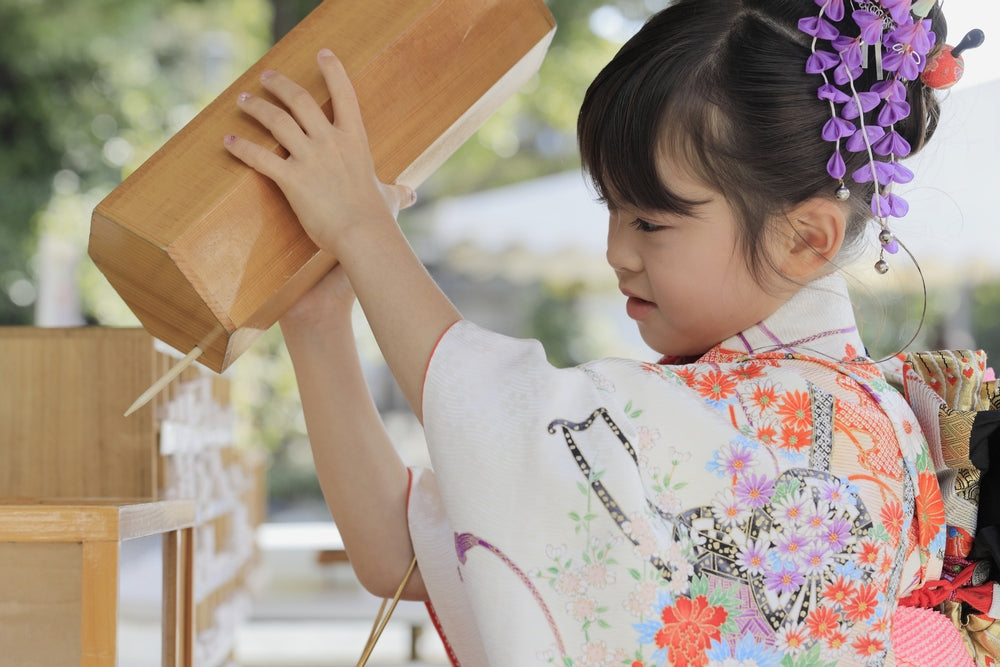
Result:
{"points": [[306, 112], [344, 99], [255, 156], [277, 121]]}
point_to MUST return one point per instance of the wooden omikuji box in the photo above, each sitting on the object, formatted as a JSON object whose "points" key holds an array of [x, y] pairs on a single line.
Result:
{"points": [[207, 252], [61, 428]]}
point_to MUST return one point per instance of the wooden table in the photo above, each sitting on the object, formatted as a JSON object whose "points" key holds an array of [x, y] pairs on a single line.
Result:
{"points": [[59, 569]]}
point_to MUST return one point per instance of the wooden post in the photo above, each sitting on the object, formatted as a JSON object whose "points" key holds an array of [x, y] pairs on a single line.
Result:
{"points": [[194, 241]]}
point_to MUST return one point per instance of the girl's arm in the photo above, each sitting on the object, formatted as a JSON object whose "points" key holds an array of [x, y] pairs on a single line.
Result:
{"points": [[329, 180], [363, 479]]}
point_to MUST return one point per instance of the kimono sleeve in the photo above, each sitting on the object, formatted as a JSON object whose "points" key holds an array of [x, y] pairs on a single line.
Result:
{"points": [[501, 479], [488, 403]]}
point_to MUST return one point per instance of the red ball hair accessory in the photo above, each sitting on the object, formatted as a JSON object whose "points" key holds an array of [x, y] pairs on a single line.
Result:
{"points": [[946, 68]]}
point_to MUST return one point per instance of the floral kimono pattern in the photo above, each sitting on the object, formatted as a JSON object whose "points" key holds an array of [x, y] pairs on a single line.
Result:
{"points": [[767, 504]]}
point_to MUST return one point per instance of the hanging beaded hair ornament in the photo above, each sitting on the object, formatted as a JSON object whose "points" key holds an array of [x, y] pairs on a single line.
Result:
{"points": [[898, 34]]}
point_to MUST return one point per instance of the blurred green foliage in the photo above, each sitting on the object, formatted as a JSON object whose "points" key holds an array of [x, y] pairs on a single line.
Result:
{"points": [[88, 90]]}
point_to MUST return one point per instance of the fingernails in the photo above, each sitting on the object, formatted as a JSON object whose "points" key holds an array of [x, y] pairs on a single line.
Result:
{"points": [[325, 53], [243, 97], [266, 74], [413, 196], [229, 139]]}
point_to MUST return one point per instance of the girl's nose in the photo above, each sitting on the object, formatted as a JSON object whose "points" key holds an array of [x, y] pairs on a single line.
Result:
{"points": [[621, 254]]}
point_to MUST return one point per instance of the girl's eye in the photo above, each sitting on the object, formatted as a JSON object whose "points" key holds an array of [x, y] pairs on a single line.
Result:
{"points": [[646, 226]]}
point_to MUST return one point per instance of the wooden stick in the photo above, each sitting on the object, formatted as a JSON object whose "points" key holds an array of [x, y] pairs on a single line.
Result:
{"points": [[167, 378]]}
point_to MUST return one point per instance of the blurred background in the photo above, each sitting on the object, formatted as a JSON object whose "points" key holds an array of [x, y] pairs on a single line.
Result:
{"points": [[89, 90]]}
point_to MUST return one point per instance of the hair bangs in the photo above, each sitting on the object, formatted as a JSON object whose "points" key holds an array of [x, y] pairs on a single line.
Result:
{"points": [[626, 117]]}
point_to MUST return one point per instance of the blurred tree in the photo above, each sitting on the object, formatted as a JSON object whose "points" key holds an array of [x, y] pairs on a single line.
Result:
{"points": [[89, 90]]}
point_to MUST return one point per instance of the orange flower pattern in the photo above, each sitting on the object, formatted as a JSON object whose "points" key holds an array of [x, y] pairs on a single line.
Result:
{"points": [[820, 541]]}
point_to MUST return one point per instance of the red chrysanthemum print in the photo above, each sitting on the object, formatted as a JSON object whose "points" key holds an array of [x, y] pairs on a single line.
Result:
{"points": [[839, 591], [868, 555], [863, 604], [836, 640], [885, 567], [892, 519], [795, 438], [716, 385], [767, 435], [689, 627], [867, 646], [930, 508], [687, 374], [764, 396], [823, 622], [750, 370], [795, 410]]}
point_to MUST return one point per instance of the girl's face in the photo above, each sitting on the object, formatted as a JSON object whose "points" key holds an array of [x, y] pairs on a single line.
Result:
{"points": [[685, 277]]}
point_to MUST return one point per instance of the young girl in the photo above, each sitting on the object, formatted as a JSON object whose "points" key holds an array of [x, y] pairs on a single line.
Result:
{"points": [[759, 496]]}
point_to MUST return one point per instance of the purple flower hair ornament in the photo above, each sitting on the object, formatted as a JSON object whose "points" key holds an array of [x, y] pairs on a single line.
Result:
{"points": [[900, 37]]}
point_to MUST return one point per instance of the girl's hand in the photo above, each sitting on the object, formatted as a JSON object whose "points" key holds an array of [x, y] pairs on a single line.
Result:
{"points": [[329, 176], [329, 301]]}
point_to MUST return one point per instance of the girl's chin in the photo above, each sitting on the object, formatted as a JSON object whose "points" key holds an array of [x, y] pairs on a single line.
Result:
{"points": [[670, 353]]}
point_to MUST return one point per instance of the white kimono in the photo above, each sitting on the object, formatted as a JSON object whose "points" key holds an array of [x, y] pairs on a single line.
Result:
{"points": [[772, 499]]}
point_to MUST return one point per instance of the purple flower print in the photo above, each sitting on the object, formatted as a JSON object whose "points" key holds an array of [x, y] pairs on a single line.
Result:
{"points": [[753, 556], [816, 559], [784, 580], [790, 546], [755, 490], [836, 492], [815, 518], [736, 459], [836, 534]]}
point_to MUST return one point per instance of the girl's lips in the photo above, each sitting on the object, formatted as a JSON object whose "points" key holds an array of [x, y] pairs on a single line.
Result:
{"points": [[638, 308]]}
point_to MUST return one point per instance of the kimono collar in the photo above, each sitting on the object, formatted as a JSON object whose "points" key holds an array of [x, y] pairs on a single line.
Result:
{"points": [[818, 321]]}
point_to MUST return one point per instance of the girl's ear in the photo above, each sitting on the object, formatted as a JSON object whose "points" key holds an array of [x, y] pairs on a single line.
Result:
{"points": [[814, 235]]}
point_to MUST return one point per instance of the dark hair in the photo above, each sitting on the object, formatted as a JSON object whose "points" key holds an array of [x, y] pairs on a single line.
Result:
{"points": [[724, 83]]}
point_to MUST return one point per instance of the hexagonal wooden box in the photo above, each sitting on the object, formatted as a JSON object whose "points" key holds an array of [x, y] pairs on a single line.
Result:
{"points": [[199, 245]]}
